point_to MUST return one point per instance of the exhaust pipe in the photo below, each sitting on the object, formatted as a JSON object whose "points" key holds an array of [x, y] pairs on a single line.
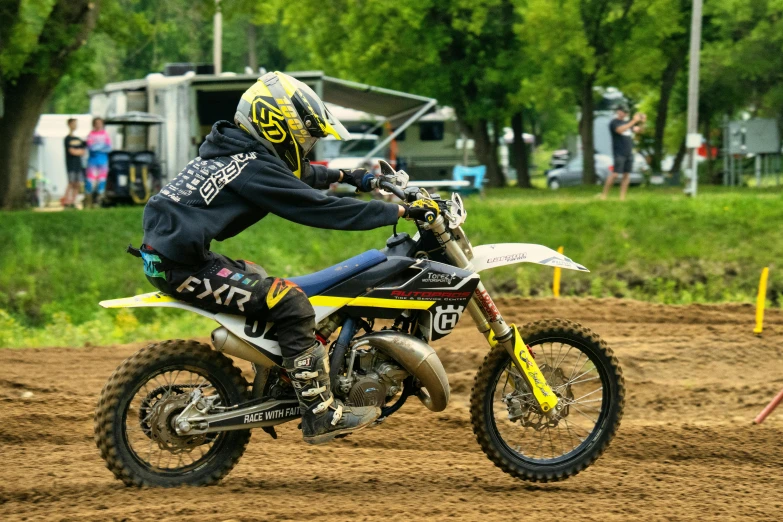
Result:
{"points": [[419, 359], [226, 342]]}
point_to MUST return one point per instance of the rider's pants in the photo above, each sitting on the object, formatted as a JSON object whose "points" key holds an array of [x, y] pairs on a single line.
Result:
{"points": [[239, 287]]}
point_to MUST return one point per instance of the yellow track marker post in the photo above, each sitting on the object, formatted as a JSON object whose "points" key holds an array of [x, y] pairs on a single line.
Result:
{"points": [[760, 300], [556, 280]]}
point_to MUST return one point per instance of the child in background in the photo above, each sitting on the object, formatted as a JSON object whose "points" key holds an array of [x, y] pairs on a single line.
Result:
{"points": [[99, 145], [74, 150]]}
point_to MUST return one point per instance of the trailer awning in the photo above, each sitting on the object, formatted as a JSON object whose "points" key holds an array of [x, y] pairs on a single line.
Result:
{"points": [[400, 109], [395, 106], [135, 118]]}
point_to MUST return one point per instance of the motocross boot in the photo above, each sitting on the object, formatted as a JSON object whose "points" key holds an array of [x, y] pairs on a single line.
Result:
{"points": [[323, 416]]}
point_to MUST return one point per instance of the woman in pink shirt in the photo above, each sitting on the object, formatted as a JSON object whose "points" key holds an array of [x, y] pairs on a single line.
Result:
{"points": [[99, 145]]}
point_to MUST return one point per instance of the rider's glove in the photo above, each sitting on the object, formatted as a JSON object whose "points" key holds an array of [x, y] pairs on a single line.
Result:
{"points": [[359, 178], [424, 210]]}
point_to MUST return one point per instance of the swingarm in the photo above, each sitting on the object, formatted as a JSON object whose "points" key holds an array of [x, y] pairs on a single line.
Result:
{"points": [[194, 421]]}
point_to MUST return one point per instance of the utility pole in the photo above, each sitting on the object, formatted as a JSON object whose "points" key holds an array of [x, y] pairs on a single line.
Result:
{"points": [[693, 139], [217, 47]]}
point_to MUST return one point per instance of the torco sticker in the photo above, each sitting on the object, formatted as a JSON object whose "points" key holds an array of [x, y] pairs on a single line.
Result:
{"points": [[510, 258]]}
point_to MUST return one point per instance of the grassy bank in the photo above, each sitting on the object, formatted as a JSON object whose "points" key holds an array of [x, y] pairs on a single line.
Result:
{"points": [[658, 246]]}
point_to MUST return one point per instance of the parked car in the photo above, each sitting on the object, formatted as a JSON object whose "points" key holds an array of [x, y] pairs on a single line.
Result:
{"points": [[571, 174]]}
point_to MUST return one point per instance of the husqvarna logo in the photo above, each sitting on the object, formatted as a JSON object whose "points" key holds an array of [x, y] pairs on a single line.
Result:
{"points": [[446, 318]]}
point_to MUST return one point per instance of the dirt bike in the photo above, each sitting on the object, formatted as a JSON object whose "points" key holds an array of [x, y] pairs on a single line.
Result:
{"points": [[543, 409]]}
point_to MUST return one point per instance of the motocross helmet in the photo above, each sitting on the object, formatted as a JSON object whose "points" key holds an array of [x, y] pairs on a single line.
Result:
{"points": [[287, 117]]}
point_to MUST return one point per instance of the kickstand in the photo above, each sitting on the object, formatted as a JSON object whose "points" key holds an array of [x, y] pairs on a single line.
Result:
{"points": [[271, 431]]}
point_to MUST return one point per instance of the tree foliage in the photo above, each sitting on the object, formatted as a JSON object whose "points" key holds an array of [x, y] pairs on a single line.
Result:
{"points": [[531, 64]]}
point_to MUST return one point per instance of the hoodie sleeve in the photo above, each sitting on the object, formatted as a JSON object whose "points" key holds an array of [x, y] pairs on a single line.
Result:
{"points": [[275, 190], [318, 176]]}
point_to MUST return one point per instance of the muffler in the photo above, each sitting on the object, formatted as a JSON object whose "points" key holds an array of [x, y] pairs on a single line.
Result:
{"points": [[419, 359], [226, 342]]}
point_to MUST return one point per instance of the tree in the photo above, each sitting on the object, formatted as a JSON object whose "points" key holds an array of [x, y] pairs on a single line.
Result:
{"points": [[251, 36], [576, 41], [648, 64], [34, 54], [461, 52]]}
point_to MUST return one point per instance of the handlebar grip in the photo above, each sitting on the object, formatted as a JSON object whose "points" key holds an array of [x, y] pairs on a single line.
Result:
{"points": [[430, 217]]}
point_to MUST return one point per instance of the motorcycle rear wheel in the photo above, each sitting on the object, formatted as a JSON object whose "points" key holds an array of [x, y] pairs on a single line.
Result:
{"points": [[126, 427], [516, 436]]}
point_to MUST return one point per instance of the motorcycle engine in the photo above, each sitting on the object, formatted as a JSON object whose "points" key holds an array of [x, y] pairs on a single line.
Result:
{"points": [[376, 379]]}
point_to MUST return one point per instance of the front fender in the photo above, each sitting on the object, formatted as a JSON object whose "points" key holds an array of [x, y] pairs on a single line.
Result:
{"points": [[501, 254]]}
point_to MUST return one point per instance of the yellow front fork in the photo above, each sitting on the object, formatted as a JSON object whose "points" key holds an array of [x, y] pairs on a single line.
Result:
{"points": [[526, 364]]}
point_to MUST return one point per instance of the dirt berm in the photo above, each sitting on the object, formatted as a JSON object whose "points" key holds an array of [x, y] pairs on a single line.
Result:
{"points": [[687, 449]]}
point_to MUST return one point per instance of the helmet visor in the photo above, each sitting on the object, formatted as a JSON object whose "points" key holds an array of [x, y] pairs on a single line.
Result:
{"points": [[329, 124], [337, 128]]}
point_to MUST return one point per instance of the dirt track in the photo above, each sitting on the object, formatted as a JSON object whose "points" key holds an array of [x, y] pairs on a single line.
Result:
{"points": [[696, 376]]}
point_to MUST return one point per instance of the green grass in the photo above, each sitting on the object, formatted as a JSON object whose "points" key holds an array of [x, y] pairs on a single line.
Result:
{"points": [[659, 246]]}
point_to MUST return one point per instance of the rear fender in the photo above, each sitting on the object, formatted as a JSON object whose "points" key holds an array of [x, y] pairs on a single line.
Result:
{"points": [[501, 254], [262, 336], [154, 299]]}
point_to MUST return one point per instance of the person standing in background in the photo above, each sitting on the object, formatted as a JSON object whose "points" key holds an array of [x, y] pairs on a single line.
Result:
{"points": [[622, 132], [74, 151], [99, 145]]}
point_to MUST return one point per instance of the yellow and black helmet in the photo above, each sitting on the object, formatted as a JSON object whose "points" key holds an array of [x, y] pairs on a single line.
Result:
{"points": [[287, 117]]}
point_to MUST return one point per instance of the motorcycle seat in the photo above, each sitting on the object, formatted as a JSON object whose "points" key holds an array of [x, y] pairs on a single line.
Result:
{"points": [[317, 282]]}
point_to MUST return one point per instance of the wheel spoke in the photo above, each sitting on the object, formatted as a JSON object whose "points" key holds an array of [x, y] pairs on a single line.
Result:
{"points": [[588, 394]]}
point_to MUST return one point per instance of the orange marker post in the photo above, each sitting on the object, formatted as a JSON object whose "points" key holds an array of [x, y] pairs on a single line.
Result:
{"points": [[556, 281], [770, 408]]}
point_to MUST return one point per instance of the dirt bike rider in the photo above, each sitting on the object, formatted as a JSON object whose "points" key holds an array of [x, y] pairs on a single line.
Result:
{"points": [[245, 171]]}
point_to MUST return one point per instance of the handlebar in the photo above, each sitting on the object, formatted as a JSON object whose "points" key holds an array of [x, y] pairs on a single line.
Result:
{"points": [[394, 189]]}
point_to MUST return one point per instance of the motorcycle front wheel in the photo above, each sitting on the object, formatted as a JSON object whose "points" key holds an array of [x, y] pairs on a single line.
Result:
{"points": [[138, 407], [586, 377]]}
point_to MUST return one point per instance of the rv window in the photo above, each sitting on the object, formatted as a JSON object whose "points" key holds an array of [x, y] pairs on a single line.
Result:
{"points": [[431, 131], [401, 136]]}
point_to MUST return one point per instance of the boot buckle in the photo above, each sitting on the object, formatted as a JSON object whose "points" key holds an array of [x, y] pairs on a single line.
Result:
{"points": [[323, 406], [338, 414], [313, 391]]}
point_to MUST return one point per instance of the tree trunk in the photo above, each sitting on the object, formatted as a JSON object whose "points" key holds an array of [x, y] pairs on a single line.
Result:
{"points": [[586, 132], [519, 150], [668, 80], [16, 136], [65, 30], [709, 160], [487, 153], [677, 165], [252, 57]]}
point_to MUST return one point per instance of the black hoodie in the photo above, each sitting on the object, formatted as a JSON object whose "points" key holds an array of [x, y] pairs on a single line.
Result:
{"points": [[234, 183]]}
